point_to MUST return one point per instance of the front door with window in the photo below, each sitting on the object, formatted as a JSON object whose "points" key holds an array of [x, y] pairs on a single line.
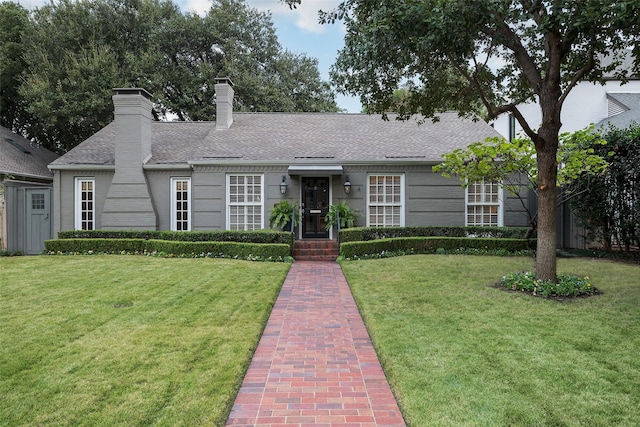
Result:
{"points": [[315, 204]]}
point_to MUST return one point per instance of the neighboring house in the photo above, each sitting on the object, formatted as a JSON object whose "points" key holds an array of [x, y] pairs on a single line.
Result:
{"points": [[25, 193], [140, 174], [588, 103]]}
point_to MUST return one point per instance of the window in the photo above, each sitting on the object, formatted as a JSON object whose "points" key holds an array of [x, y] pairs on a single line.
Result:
{"points": [[37, 201], [385, 207], [180, 204], [484, 200], [244, 202], [85, 204]]}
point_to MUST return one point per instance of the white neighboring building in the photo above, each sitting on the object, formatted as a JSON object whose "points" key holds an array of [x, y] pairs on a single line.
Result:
{"points": [[601, 104], [587, 103]]}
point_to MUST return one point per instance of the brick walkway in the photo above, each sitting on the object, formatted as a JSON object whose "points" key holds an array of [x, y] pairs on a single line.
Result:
{"points": [[315, 364]]}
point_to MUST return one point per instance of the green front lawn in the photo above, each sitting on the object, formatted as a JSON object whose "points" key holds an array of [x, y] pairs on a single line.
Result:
{"points": [[128, 340], [458, 351]]}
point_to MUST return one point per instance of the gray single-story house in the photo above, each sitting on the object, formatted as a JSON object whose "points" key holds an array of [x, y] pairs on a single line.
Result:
{"points": [[137, 173], [25, 193]]}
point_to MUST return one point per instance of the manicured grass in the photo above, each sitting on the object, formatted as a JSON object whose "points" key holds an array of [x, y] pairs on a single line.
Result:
{"points": [[128, 340], [458, 351]]}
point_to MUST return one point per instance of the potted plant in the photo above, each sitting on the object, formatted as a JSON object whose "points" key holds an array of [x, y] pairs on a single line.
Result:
{"points": [[342, 213], [281, 214]]}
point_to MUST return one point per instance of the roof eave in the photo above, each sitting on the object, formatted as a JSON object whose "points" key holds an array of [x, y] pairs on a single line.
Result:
{"points": [[378, 162], [81, 167], [27, 175]]}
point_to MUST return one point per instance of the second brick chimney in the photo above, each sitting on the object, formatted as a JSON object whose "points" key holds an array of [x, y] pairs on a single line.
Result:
{"points": [[224, 102]]}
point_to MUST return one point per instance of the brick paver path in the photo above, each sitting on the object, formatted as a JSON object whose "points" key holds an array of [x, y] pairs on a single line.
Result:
{"points": [[315, 364]]}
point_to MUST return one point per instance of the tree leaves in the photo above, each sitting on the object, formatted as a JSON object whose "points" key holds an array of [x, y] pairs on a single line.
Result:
{"points": [[75, 53], [514, 163], [608, 203]]}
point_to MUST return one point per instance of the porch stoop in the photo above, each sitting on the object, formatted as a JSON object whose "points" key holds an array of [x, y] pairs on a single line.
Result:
{"points": [[316, 250]]}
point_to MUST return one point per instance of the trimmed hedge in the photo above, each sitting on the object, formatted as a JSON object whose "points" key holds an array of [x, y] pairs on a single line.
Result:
{"points": [[425, 245], [179, 248], [360, 234], [259, 236]]}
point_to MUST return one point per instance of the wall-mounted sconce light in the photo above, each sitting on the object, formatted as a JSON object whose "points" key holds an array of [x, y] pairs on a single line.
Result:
{"points": [[347, 185], [283, 185]]}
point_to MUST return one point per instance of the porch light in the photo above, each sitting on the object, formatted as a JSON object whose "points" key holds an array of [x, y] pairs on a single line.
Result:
{"points": [[283, 185], [347, 185]]}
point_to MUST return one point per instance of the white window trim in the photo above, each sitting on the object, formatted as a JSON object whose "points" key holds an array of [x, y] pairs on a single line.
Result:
{"points": [[78, 202], [402, 197], [228, 197], [500, 206], [174, 200]]}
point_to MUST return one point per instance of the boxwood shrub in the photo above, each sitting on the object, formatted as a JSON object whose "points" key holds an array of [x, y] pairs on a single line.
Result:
{"points": [[218, 249], [96, 245], [258, 236], [432, 245], [373, 233]]}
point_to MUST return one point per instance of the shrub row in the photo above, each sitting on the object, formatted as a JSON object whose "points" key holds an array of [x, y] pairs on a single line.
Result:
{"points": [[241, 250], [373, 233], [259, 236], [422, 245]]}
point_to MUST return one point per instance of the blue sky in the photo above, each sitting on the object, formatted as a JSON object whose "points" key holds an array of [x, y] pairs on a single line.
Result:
{"points": [[298, 31]]}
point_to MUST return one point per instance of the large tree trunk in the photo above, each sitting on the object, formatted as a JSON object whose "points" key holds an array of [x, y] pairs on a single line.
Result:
{"points": [[547, 192], [546, 145]]}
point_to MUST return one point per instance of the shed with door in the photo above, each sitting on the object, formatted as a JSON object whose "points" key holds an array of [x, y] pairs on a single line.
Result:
{"points": [[25, 194]]}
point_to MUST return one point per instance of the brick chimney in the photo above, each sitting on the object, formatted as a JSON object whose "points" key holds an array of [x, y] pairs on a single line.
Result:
{"points": [[224, 102], [128, 204]]}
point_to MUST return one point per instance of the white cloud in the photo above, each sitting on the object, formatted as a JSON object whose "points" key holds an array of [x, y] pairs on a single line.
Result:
{"points": [[201, 7], [305, 15], [31, 4]]}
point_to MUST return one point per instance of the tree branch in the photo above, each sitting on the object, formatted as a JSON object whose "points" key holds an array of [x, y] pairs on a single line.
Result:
{"points": [[523, 122], [512, 42], [577, 78], [535, 8]]}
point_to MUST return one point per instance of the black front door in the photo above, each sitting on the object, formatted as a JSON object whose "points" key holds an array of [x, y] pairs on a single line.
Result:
{"points": [[315, 204]]}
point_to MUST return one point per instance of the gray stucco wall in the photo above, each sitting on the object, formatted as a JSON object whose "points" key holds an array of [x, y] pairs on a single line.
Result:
{"points": [[209, 192], [64, 197], [514, 213], [159, 186], [430, 199]]}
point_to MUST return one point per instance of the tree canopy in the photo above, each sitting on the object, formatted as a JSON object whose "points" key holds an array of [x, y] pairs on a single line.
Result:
{"points": [[513, 164], [67, 56], [496, 53], [14, 21]]}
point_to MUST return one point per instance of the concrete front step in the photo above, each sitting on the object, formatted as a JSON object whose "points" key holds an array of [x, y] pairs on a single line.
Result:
{"points": [[316, 250]]}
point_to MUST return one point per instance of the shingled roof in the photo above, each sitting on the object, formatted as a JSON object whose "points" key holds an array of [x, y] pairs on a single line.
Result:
{"points": [[22, 158], [293, 138]]}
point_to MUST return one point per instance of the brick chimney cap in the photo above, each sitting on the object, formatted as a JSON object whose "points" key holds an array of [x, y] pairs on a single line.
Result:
{"points": [[223, 80], [132, 91]]}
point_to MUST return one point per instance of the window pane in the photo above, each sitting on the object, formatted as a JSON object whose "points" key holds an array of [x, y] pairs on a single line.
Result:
{"points": [[245, 198], [181, 206], [483, 203], [83, 204], [385, 200]]}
